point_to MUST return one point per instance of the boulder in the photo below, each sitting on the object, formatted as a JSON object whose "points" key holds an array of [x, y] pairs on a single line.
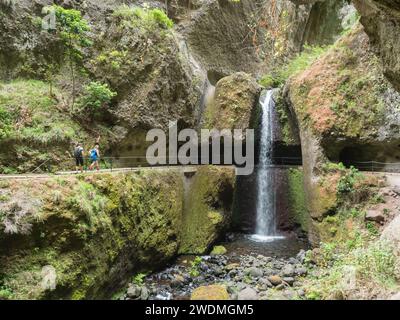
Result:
{"points": [[213, 292], [288, 270], [375, 215], [391, 233], [381, 20], [234, 102], [144, 295], [275, 280], [248, 294], [134, 291], [255, 272], [218, 251]]}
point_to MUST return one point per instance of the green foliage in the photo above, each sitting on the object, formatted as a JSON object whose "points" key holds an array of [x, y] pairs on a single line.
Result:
{"points": [[372, 229], [114, 59], [139, 279], [377, 262], [6, 120], [96, 96], [194, 267], [300, 63], [362, 263], [143, 17], [90, 203], [29, 115], [5, 293], [346, 182], [72, 28]]}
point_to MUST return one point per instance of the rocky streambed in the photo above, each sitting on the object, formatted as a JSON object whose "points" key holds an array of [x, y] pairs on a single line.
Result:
{"points": [[246, 271]]}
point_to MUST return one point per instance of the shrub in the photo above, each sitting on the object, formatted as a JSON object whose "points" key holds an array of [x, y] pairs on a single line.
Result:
{"points": [[346, 182], [194, 269], [160, 18], [5, 123], [96, 96], [143, 17]]}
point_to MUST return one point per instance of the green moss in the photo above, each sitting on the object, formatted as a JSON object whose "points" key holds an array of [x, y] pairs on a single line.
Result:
{"points": [[32, 126], [100, 229], [218, 250], [143, 17], [207, 209], [298, 64], [290, 135], [348, 96], [297, 198]]}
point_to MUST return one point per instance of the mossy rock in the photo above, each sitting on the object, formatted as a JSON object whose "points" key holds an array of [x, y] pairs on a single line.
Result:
{"points": [[236, 97], [218, 251], [208, 208], [213, 292], [94, 230]]}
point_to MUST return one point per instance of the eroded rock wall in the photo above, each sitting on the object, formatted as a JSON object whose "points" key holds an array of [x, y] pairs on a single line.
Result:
{"points": [[91, 233], [341, 102], [381, 20]]}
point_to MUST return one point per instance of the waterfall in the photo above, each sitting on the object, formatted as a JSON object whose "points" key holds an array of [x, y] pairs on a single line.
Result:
{"points": [[266, 215]]}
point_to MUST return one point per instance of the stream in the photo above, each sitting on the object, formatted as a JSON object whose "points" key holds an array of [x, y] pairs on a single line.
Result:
{"points": [[268, 270], [263, 265]]}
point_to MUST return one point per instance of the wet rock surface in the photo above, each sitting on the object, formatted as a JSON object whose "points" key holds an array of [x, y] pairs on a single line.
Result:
{"points": [[246, 276]]}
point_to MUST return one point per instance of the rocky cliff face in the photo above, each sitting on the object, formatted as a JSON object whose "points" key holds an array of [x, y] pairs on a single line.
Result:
{"points": [[90, 233], [347, 111], [381, 20]]}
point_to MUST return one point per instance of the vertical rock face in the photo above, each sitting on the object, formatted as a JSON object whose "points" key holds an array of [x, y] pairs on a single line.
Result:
{"points": [[381, 20], [208, 208], [231, 36], [343, 101], [91, 233]]}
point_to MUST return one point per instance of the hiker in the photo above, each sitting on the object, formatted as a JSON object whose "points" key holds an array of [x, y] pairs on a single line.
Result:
{"points": [[94, 157], [78, 154]]}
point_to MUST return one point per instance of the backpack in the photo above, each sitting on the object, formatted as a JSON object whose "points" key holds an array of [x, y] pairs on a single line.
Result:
{"points": [[78, 152], [93, 154]]}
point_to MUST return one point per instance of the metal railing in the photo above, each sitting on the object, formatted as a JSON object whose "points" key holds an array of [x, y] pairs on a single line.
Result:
{"points": [[124, 162], [113, 163]]}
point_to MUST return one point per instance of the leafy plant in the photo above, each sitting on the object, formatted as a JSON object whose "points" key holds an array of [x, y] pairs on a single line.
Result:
{"points": [[372, 229], [194, 269], [5, 123], [139, 279], [143, 17], [96, 96], [346, 182], [5, 293]]}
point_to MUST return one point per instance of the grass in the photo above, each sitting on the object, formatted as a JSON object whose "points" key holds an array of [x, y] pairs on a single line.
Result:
{"points": [[30, 115], [88, 201], [278, 77], [34, 126], [347, 269], [147, 18]]}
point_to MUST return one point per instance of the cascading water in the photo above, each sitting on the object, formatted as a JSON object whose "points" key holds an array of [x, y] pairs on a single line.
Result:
{"points": [[266, 221]]}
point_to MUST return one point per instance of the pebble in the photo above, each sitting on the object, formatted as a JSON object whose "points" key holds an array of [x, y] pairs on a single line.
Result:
{"points": [[246, 277]]}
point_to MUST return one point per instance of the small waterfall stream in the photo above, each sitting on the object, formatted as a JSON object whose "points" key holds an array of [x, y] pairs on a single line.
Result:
{"points": [[266, 209]]}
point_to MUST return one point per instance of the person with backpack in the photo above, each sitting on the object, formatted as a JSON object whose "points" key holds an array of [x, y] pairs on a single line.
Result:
{"points": [[94, 157], [78, 154]]}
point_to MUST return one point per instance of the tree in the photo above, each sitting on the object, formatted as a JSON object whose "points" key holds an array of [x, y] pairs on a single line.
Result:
{"points": [[72, 29]]}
